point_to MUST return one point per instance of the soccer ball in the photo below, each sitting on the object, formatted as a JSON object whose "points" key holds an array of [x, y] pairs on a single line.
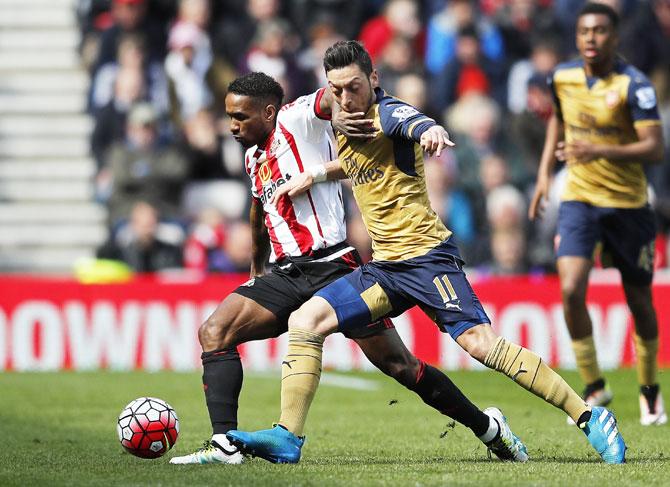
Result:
{"points": [[148, 427]]}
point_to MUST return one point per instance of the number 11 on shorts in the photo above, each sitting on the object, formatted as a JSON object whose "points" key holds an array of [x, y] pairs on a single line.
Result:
{"points": [[446, 290]]}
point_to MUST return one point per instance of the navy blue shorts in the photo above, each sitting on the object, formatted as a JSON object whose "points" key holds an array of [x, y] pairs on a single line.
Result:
{"points": [[626, 234], [434, 281]]}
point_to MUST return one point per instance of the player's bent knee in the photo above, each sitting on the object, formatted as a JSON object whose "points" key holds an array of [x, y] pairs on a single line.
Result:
{"points": [[316, 316], [478, 341]]}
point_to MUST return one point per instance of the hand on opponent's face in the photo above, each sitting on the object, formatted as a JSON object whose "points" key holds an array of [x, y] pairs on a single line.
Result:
{"points": [[354, 125]]}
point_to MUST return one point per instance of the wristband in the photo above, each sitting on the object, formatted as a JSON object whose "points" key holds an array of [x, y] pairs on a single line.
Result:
{"points": [[318, 173]]}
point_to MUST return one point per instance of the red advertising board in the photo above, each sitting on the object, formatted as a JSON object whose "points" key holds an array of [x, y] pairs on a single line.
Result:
{"points": [[152, 323]]}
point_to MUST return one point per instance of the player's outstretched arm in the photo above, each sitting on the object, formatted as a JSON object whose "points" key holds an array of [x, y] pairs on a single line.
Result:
{"points": [[435, 139], [260, 241], [547, 162], [302, 182]]}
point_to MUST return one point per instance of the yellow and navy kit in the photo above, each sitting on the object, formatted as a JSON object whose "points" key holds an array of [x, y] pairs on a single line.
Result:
{"points": [[604, 111], [388, 180]]}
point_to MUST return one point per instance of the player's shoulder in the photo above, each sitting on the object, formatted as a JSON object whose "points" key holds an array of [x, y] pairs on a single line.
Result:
{"points": [[568, 71], [637, 77], [393, 110], [250, 160]]}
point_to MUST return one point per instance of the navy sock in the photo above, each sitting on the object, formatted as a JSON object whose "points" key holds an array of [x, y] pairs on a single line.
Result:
{"points": [[222, 380]]}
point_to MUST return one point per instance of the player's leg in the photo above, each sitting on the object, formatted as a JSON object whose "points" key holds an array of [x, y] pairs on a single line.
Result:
{"points": [[388, 353], [633, 255], [639, 298], [573, 272], [254, 311], [580, 228], [309, 325]]}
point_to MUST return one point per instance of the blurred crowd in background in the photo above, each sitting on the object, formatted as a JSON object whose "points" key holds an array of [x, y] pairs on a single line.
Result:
{"points": [[173, 178]]}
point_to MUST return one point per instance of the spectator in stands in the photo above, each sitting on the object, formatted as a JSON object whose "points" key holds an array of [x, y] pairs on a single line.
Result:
{"points": [[400, 18], [398, 59], [131, 56], [412, 89], [206, 236], [145, 168], [646, 40], [469, 71], [143, 243], [443, 28], [508, 253], [130, 17], [322, 34], [303, 14], [529, 127], [523, 23], [110, 120], [236, 253], [187, 66], [270, 54], [476, 121], [237, 28], [544, 57]]}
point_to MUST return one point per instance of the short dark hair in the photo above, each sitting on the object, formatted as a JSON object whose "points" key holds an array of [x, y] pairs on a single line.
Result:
{"points": [[344, 53], [600, 8], [259, 86]]}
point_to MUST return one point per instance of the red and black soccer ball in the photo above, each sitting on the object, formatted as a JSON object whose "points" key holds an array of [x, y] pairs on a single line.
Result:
{"points": [[148, 427]]}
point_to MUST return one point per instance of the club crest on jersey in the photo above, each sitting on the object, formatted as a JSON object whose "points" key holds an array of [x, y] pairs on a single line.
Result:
{"points": [[612, 98], [265, 173]]}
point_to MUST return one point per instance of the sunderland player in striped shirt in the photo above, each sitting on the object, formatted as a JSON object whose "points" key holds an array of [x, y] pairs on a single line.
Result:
{"points": [[607, 128], [416, 262], [305, 239]]}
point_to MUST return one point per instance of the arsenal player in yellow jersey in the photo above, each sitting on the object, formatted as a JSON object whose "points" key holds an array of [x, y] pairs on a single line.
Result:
{"points": [[606, 127]]}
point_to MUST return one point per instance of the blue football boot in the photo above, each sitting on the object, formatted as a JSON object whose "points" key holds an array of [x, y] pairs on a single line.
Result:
{"points": [[276, 445], [603, 434]]}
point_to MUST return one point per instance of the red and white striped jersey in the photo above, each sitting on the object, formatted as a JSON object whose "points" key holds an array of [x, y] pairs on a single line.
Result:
{"points": [[302, 138]]}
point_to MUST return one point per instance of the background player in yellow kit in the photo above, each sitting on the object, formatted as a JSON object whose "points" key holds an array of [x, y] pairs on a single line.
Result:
{"points": [[605, 110], [416, 262]]}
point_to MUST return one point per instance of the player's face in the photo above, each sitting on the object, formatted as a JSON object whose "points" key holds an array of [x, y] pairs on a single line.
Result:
{"points": [[251, 120], [596, 38], [352, 88]]}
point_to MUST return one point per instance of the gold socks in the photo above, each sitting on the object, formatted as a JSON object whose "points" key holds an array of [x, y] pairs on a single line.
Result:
{"points": [[647, 364], [586, 359], [301, 371], [527, 369]]}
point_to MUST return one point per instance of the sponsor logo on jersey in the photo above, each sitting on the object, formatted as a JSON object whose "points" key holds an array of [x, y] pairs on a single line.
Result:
{"points": [[646, 97], [404, 112], [361, 176], [271, 186]]}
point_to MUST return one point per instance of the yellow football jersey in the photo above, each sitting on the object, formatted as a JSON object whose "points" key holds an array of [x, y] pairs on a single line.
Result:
{"points": [[389, 184], [604, 111]]}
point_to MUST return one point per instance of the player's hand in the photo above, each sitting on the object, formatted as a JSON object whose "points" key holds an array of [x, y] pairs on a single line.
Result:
{"points": [[297, 185], [580, 151], [539, 200], [435, 139], [559, 153], [354, 125]]}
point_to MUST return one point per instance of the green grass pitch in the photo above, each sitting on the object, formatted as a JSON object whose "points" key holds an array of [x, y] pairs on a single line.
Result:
{"points": [[60, 429]]}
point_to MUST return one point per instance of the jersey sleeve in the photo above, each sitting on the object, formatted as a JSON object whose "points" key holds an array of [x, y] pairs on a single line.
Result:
{"points": [[642, 101], [551, 83], [305, 117], [401, 120]]}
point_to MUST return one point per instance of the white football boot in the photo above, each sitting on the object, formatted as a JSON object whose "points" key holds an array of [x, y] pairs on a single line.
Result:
{"points": [[652, 415], [595, 398], [507, 446], [216, 450]]}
